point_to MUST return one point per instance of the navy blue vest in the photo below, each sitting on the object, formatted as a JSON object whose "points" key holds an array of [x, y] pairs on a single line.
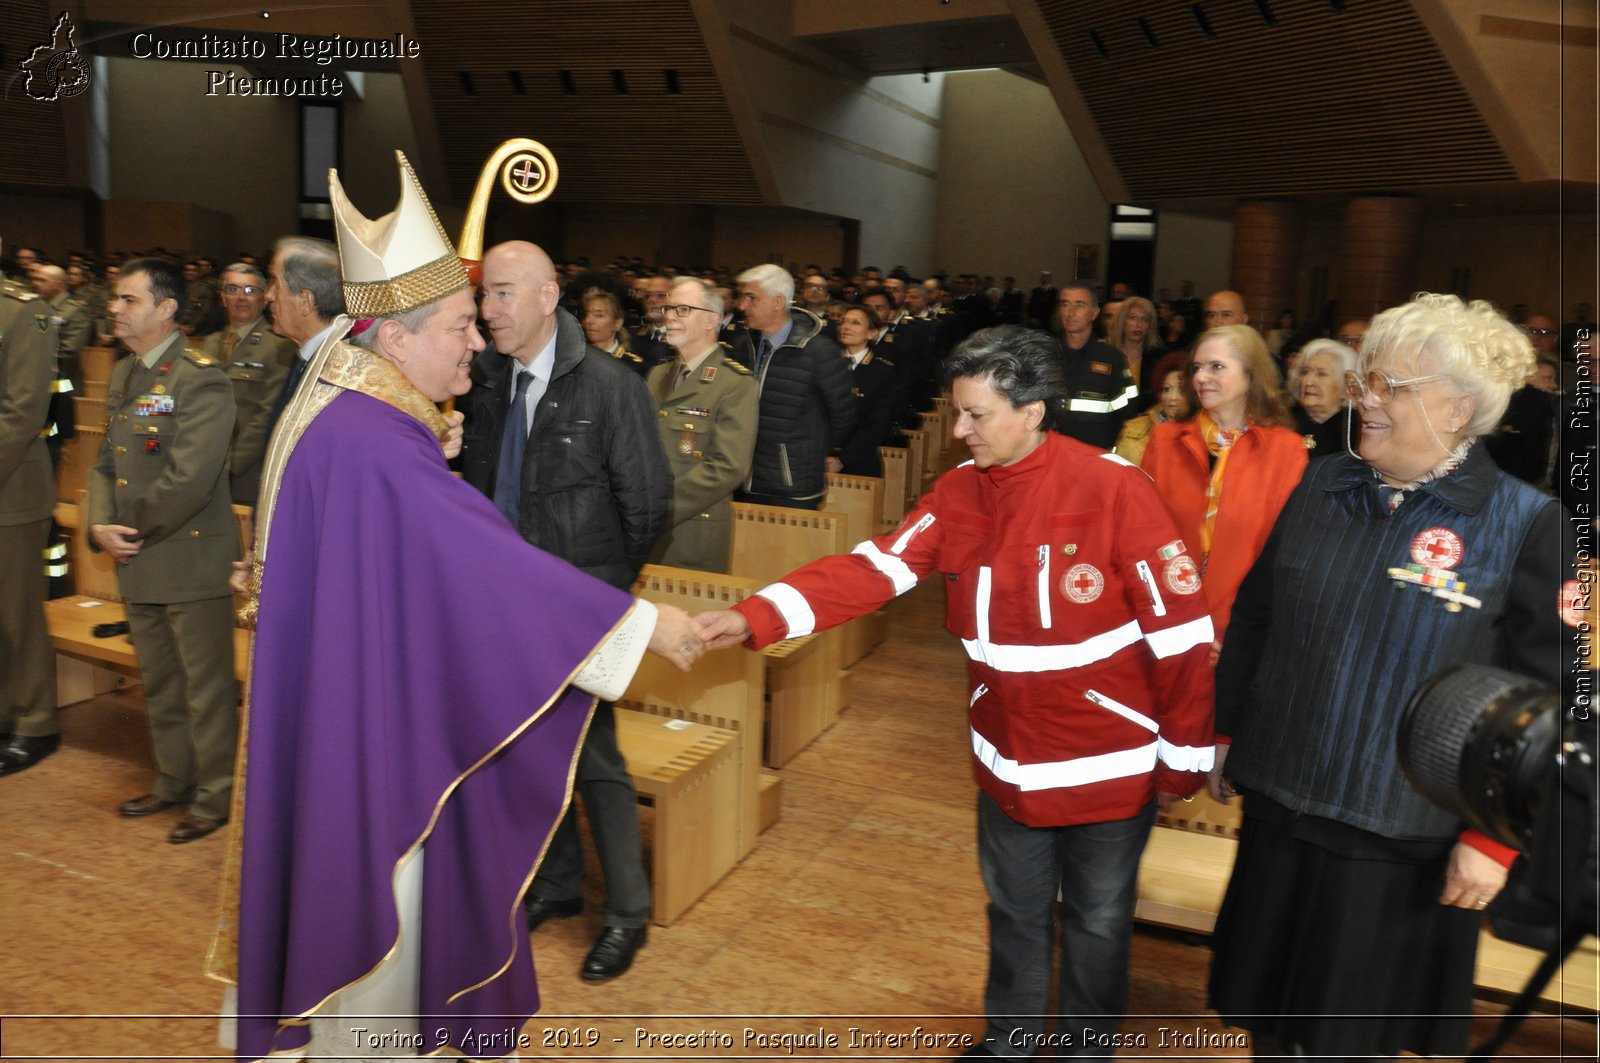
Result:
{"points": [[1348, 645]]}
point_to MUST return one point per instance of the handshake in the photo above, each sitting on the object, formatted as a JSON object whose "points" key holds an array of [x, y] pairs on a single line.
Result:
{"points": [[684, 639]]}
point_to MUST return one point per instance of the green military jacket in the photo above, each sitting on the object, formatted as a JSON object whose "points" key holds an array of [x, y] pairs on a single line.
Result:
{"points": [[27, 370], [708, 427], [258, 368], [164, 471]]}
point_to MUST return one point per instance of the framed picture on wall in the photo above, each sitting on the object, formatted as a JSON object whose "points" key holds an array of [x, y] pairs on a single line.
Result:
{"points": [[1086, 261]]}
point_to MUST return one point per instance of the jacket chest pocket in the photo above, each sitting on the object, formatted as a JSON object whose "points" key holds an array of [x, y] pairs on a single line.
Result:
{"points": [[571, 454], [686, 437]]}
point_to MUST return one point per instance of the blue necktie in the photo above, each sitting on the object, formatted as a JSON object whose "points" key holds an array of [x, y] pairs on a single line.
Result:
{"points": [[763, 352], [513, 442]]}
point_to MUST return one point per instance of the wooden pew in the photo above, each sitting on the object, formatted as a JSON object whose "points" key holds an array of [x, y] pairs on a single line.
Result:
{"points": [[78, 456], [723, 690], [791, 679], [916, 463], [688, 773], [860, 500], [936, 423], [769, 542], [96, 364], [72, 620], [896, 485]]}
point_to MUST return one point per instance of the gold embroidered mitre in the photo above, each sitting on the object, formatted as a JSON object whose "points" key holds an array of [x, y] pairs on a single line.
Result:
{"points": [[398, 262]]}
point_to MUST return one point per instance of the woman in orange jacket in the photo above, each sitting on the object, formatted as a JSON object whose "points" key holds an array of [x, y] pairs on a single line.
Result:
{"points": [[1225, 473]]}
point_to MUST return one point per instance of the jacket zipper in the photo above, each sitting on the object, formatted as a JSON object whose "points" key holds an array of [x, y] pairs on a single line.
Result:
{"points": [[1044, 586], [1156, 601], [911, 533], [783, 460], [1122, 710]]}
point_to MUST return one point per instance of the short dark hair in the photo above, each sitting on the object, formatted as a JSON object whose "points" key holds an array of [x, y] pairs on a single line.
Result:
{"points": [[1022, 364], [166, 279], [1079, 284]]}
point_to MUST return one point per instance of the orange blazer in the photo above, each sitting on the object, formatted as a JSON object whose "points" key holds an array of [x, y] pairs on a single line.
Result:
{"points": [[1263, 470]]}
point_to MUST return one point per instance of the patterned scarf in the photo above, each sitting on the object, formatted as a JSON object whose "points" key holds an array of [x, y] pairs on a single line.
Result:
{"points": [[1394, 496], [1219, 441]]}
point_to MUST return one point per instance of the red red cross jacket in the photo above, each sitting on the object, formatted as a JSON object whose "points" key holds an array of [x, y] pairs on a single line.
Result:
{"points": [[1079, 608]]}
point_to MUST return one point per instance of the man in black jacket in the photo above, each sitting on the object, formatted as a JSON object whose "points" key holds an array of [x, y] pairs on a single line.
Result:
{"points": [[563, 438], [807, 409]]}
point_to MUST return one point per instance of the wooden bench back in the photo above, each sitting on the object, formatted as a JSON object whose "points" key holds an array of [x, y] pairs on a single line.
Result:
{"points": [[860, 500], [93, 573], [78, 456], [95, 364], [769, 542], [725, 689]]}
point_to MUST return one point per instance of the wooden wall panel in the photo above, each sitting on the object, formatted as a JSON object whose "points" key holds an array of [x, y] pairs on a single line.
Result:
{"points": [[649, 145], [1320, 101]]}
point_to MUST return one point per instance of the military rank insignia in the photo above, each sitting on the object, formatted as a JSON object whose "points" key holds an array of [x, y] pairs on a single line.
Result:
{"points": [[708, 374], [43, 321]]}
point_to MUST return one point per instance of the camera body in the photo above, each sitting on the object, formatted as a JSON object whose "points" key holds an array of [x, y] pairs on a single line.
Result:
{"points": [[1496, 749]]}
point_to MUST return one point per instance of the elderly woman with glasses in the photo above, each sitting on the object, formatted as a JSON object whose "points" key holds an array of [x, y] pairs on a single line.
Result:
{"points": [[1351, 920], [1322, 410], [1088, 677]]}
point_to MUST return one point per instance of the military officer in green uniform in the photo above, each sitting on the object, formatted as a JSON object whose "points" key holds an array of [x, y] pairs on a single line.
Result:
{"points": [[74, 325], [28, 731], [158, 504], [257, 360], [708, 410]]}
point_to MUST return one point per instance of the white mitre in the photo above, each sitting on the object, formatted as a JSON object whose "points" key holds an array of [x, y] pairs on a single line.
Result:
{"points": [[398, 262]]}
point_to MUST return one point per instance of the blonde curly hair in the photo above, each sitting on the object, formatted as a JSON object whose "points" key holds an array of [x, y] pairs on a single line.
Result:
{"points": [[1472, 344]]}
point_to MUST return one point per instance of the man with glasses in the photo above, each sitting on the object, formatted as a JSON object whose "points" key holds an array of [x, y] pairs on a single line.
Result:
{"points": [[707, 407], [257, 361], [562, 437]]}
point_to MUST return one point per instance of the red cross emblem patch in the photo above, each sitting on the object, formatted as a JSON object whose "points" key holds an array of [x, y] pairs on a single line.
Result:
{"points": [[1181, 575], [1436, 548], [1572, 603], [1082, 583]]}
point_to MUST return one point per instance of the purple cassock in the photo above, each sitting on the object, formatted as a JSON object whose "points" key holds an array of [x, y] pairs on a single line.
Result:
{"points": [[409, 688]]}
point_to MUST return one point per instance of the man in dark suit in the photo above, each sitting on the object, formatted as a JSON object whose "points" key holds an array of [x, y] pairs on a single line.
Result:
{"points": [[158, 504], [563, 437]]}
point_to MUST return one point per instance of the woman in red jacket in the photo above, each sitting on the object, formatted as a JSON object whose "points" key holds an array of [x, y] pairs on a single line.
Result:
{"points": [[1225, 473], [1089, 696]]}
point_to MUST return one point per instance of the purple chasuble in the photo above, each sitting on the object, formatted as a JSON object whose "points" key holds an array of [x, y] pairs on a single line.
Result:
{"points": [[409, 685]]}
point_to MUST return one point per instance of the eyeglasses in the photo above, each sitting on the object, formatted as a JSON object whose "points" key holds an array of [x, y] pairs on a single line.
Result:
{"points": [[680, 310], [1540, 331], [1380, 385], [242, 289]]}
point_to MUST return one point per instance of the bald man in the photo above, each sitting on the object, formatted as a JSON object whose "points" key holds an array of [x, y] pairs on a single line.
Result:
{"points": [[563, 437], [1225, 308]]}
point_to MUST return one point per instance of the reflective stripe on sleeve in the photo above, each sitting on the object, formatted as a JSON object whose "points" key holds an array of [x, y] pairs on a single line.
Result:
{"points": [[1172, 640], [1045, 658], [1187, 758], [792, 606], [898, 571], [1079, 771]]}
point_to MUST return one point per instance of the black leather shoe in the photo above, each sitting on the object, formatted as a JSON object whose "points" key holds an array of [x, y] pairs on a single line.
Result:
{"points": [[540, 911], [144, 805], [191, 827], [23, 752], [613, 952]]}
